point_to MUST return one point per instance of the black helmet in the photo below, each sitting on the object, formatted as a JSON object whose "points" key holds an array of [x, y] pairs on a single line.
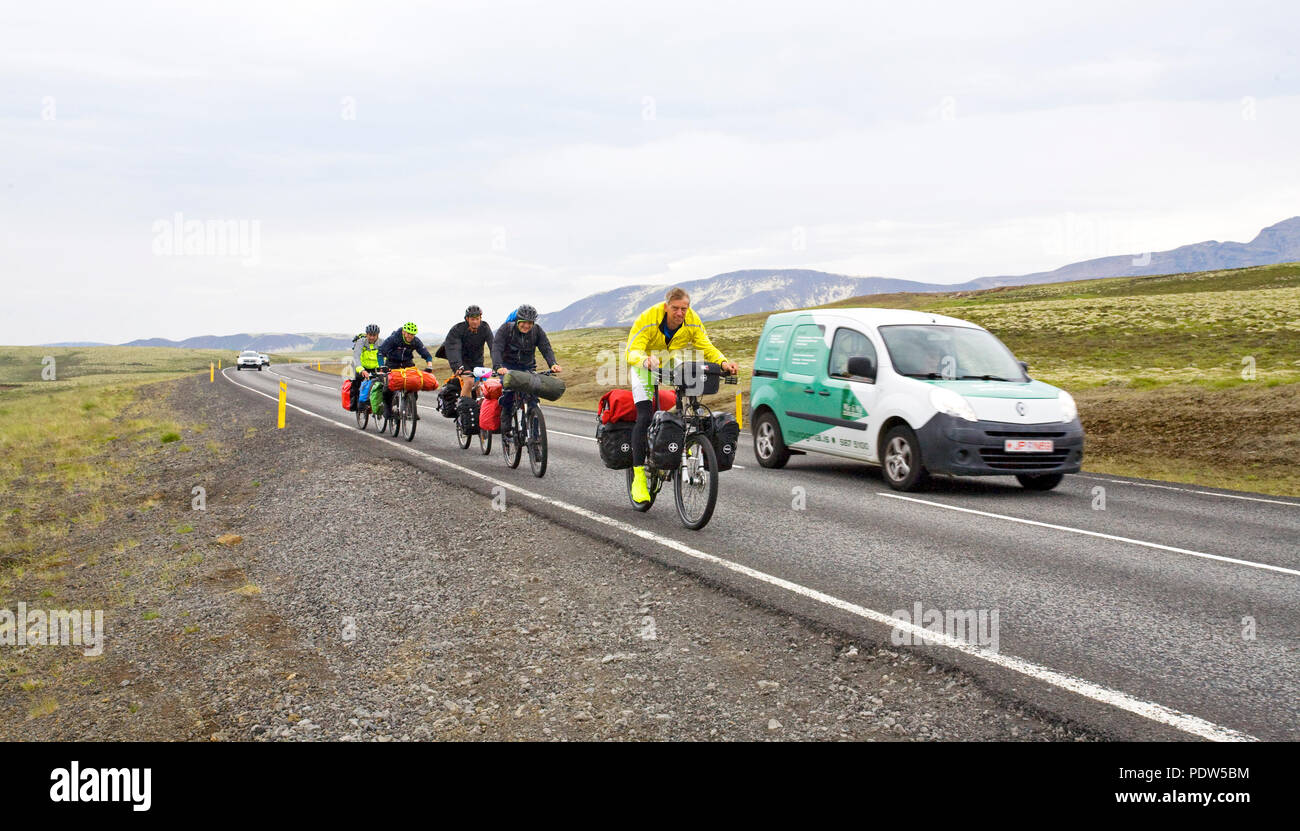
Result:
{"points": [[372, 329], [473, 311], [526, 312]]}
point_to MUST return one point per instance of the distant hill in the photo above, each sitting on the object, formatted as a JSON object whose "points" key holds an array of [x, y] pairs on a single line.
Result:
{"points": [[1275, 244], [264, 342], [77, 343], [771, 290], [728, 295]]}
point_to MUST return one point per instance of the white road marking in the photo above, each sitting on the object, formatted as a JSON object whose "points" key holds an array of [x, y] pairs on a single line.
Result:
{"points": [[1189, 490], [1159, 713], [1072, 530]]}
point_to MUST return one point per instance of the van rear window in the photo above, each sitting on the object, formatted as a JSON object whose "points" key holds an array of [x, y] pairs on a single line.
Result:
{"points": [[769, 357]]}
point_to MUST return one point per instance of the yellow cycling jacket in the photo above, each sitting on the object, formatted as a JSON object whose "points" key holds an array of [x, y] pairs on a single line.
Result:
{"points": [[646, 337]]}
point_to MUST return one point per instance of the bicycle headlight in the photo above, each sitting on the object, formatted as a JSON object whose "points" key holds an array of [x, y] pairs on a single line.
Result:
{"points": [[1069, 410], [950, 403]]}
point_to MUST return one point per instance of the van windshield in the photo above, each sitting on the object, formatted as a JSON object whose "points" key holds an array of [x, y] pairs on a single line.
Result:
{"points": [[951, 352]]}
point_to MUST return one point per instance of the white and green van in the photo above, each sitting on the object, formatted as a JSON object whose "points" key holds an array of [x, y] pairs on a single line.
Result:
{"points": [[916, 393]]}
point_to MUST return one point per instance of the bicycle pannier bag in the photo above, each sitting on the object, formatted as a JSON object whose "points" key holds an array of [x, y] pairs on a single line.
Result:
{"points": [[347, 394], [489, 415], [615, 441], [667, 436], [447, 398], [467, 411], [725, 437]]}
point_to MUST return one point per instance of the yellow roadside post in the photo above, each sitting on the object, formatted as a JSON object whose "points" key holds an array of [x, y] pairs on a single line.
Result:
{"points": [[740, 419], [218, 363], [284, 392], [212, 373]]}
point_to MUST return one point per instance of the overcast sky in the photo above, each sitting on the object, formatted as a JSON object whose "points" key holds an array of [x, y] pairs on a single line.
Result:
{"points": [[393, 162]]}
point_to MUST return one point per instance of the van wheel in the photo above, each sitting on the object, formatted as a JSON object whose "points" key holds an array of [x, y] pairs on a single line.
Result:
{"points": [[769, 445], [902, 460], [1039, 482]]}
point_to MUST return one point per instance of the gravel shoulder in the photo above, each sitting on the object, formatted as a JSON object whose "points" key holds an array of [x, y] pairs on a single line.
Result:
{"points": [[331, 591]]}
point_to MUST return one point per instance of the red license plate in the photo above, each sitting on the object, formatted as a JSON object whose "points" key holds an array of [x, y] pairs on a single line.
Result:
{"points": [[1028, 445]]}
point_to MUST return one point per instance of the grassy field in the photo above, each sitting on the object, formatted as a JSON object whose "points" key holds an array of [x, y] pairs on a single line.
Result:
{"points": [[62, 441], [1159, 366]]}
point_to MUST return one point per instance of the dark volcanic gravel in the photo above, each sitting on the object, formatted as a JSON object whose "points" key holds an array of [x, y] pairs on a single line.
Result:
{"points": [[370, 601]]}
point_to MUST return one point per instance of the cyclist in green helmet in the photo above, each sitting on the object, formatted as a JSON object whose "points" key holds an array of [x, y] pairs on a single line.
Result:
{"points": [[399, 351]]}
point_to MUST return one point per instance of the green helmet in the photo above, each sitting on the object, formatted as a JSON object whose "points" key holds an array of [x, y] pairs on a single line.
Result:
{"points": [[412, 328]]}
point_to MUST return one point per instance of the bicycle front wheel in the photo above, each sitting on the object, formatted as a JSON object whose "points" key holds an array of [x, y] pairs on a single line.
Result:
{"points": [[484, 441], [408, 416], [363, 414], [512, 444], [537, 441], [695, 482], [462, 438]]}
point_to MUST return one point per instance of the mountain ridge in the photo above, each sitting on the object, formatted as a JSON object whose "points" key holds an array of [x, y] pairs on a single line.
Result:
{"points": [[757, 290]]}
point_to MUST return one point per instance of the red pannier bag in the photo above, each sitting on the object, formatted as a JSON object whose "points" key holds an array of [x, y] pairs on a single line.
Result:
{"points": [[428, 382], [347, 394], [491, 389], [489, 415], [617, 405]]}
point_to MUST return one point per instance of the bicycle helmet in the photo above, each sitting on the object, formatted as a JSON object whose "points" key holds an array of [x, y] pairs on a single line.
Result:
{"points": [[527, 312], [473, 311], [372, 329], [412, 328]]}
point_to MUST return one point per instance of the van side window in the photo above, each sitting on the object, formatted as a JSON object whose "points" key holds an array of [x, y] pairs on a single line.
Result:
{"points": [[849, 343], [808, 344], [769, 357]]}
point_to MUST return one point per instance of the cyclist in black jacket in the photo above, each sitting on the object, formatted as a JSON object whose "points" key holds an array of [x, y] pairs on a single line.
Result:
{"points": [[515, 347], [464, 346]]}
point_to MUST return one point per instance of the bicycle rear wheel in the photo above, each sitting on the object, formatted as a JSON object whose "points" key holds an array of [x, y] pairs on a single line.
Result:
{"points": [[484, 441], [695, 482], [363, 414], [537, 440], [395, 414]]}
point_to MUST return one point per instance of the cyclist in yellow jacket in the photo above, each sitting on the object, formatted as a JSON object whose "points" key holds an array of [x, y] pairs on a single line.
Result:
{"points": [[365, 360], [668, 327]]}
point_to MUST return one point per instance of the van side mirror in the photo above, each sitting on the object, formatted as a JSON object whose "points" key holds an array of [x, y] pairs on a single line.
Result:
{"points": [[863, 367], [1024, 366]]}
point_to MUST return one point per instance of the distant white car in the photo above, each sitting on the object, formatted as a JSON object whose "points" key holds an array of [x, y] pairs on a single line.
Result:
{"points": [[266, 359], [248, 359]]}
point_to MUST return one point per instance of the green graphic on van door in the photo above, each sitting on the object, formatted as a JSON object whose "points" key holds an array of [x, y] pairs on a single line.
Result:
{"points": [[850, 407]]}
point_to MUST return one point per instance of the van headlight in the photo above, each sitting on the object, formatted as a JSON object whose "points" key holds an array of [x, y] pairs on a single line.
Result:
{"points": [[1069, 410], [950, 403]]}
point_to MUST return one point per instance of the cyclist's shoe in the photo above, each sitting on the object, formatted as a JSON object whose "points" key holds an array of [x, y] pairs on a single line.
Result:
{"points": [[640, 492]]}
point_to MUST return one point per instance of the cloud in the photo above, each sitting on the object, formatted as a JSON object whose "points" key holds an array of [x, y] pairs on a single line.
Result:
{"points": [[541, 154]]}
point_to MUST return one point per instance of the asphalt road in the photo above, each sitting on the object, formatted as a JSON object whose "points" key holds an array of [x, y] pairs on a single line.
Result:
{"points": [[1166, 612]]}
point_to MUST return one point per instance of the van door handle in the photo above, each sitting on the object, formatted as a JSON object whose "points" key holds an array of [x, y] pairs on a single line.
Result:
{"points": [[823, 392], [808, 390]]}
